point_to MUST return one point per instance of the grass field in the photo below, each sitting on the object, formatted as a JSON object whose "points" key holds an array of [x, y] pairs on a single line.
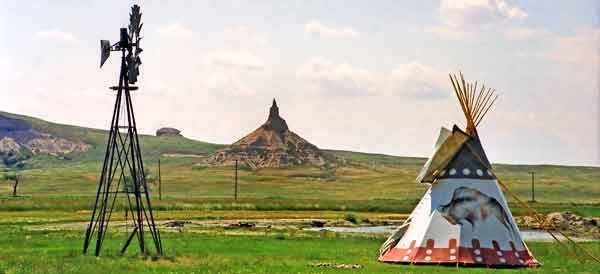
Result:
{"points": [[58, 192], [359, 182], [358, 185], [24, 251]]}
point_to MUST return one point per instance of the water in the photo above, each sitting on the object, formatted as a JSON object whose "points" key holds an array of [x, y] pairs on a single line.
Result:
{"points": [[527, 235], [384, 229]]}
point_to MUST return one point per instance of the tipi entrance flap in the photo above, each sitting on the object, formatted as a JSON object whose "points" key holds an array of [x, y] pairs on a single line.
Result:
{"points": [[419, 217], [433, 241], [427, 225], [419, 220], [443, 154], [440, 231]]}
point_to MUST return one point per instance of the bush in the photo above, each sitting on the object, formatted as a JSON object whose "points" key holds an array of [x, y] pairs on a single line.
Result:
{"points": [[280, 236], [351, 218], [9, 177]]}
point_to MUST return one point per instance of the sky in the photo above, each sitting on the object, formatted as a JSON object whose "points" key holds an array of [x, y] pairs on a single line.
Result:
{"points": [[367, 76]]}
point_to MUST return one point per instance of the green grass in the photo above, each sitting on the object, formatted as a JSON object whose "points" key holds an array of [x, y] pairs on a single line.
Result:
{"points": [[23, 251], [354, 187], [360, 182], [362, 188]]}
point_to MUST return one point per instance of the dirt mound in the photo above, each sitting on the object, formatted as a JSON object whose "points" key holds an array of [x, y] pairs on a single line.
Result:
{"points": [[567, 222], [270, 145]]}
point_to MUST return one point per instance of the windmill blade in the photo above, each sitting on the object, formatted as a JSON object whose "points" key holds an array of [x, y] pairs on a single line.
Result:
{"points": [[139, 30], [133, 59], [135, 21], [104, 51], [132, 73]]}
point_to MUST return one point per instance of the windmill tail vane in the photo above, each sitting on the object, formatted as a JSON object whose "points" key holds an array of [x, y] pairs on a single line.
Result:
{"points": [[474, 101]]}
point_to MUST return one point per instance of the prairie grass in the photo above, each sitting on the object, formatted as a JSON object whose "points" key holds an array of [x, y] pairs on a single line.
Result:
{"points": [[25, 251]]}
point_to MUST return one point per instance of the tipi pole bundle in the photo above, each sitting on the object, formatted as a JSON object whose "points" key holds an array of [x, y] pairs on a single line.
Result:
{"points": [[474, 103]]}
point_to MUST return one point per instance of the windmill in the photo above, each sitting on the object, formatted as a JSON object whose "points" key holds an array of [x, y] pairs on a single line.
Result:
{"points": [[122, 174]]}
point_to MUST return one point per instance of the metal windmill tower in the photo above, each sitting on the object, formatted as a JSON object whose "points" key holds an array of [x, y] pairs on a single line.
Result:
{"points": [[123, 172]]}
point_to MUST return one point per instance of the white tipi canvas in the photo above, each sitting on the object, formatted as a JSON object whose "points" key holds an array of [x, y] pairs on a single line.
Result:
{"points": [[463, 218]]}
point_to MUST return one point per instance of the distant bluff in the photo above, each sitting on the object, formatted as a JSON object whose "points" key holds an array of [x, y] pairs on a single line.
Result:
{"points": [[271, 145], [19, 141], [168, 131]]}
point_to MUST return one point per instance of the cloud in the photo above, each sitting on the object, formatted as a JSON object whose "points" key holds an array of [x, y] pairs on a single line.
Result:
{"points": [[316, 27], [460, 13], [516, 34], [57, 35], [337, 79], [248, 33], [579, 49], [465, 18], [418, 80], [228, 72], [449, 32], [229, 84], [175, 29], [412, 79], [243, 60]]}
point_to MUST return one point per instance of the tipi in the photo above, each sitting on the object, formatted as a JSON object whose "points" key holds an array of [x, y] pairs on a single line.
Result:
{"points": [[463, 218]]}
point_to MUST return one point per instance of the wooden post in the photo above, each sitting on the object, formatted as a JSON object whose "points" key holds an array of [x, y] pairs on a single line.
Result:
{"points": [[236, 181], [532, 186], [159, 181], [15, 186]]}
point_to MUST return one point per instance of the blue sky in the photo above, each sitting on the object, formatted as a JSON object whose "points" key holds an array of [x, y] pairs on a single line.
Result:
{"points": [[357, 75]]}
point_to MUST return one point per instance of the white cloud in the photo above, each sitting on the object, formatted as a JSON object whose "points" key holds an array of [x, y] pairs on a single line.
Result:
{"points": [[522, 33], [248, 33], [418, 80], [580, 49], [244, 60], [229, 83], [229, 72], [460, 13], [449, 32], [465, 18], [337, 79], [175, 29], [316, 27], [413, 79], [57, 35]]}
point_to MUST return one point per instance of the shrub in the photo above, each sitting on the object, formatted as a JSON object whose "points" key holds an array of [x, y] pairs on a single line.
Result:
{"points": [[351, 218], [280, 236]]}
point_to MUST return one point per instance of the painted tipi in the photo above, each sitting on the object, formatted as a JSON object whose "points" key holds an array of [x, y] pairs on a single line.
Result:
{"points": [[463, 218]]}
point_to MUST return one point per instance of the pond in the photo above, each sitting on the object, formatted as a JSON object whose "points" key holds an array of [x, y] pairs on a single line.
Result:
{"points": [[528, 235]]}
